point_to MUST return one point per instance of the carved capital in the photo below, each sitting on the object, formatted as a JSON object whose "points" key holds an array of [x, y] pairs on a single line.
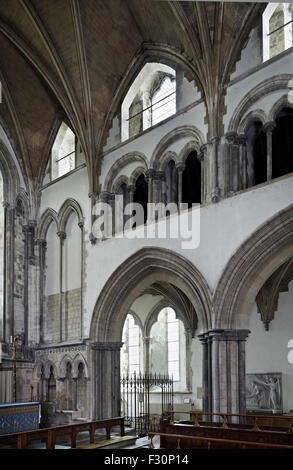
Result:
{"points": [[106, 346], [215, 140], [269, 126], [232, 138], [61, 235]]}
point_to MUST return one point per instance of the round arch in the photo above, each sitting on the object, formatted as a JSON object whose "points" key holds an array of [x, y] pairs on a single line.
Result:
{"points": [[249, 268], [176, 134], [279, 82], [278, 106], [121, 163], [138, 272]]}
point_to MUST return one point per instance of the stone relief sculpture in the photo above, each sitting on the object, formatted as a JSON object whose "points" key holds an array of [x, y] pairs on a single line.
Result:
{"points": [[264, 392]]}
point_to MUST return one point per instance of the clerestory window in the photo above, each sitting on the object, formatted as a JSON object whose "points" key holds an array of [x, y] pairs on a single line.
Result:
{"points": [[150, 99], [277, 29]]}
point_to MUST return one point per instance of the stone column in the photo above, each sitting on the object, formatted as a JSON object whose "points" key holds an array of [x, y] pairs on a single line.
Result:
{"points": [[42, 244], [146, 354], [106, 379], [180, 168], [204, 168], [215, 140], [9, 253], [242, 160], [232, 176], [62, 236], [268, 129], [81, 226], [224, 370]]}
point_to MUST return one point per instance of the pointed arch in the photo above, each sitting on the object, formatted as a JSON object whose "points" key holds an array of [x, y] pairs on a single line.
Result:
{"points": [[138, 272], [77, 360], [69, 206], [47, 218], [249, 268]]}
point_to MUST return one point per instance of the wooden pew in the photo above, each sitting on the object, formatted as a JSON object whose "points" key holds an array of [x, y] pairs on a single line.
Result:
{"points": [[180, 441], [237, 433], [49, 435], [247, 421]]}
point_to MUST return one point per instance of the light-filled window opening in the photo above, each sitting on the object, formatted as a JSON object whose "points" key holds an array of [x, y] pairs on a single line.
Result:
{"points": [[277, 29], [63, 152], [131, 351], [150, 99], [164, 101], [173, 345]]}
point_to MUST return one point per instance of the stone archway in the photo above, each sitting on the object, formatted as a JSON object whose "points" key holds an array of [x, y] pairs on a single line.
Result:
{"points": [[253, 263], [136, 274]]}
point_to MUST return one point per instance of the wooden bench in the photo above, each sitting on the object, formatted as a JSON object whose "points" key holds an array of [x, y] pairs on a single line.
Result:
{"points": [[238, 433], [245, 421], [179, 441], [49, 435]]}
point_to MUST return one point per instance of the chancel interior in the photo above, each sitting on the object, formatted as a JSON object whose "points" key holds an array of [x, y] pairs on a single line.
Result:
{"points": [[120, 104]]}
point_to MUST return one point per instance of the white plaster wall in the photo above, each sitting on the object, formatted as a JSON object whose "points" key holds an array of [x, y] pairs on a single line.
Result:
{"points": [[224, 227], [251, 55], [189, 93], [52, 261], [267, 351], [72, 255], [281, 65]]}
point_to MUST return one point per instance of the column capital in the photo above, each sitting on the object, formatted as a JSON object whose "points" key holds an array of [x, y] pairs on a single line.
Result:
{"points": [[131, 188], [215, 140], [61, 235], [106, 345], [203, 149], [224, 335], [232, 137], [269, 126], [180, 166], [150, 173], [41, 242]]}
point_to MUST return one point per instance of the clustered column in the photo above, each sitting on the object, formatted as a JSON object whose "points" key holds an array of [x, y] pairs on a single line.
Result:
{"points": [[106, 386], [224, 370]]}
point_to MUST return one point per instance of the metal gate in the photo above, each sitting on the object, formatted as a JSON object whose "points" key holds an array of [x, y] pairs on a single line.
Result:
{"points": [[136, 406]]}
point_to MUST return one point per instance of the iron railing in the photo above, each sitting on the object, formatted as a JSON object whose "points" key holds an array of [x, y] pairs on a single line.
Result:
{"points": [[140, 412]]}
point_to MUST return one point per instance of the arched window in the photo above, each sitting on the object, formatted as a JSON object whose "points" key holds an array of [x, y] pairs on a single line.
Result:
{"points": [[164, 100], [282, 142], [277, 29], [131, 355], [63, 152], [150, 99], [167, 346], [191, 180]]}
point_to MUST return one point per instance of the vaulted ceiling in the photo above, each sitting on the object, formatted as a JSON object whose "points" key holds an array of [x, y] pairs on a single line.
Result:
{"points": [[73, 59]]}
